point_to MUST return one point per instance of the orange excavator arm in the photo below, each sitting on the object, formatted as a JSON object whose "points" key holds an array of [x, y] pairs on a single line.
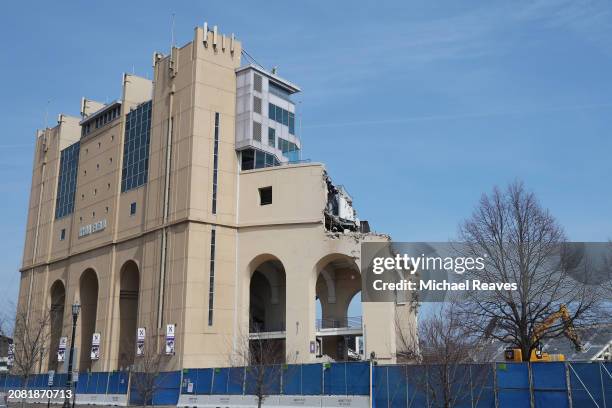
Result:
{"points": [[569, 331]]}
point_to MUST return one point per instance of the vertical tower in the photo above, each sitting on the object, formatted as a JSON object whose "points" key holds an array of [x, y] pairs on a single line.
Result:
{"points": [[193, 178]]}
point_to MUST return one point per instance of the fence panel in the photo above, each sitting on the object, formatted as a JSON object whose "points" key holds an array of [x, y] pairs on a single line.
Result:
{"points": [[168, 388], [358, 378], [513, 384], [397, 383], [483, 385], [59, 381], [292, 380], [416, 386], [203, 382], [334, 379], [81, 385], [312, 379], [235, 381], [606, 376], [586, 385], [220, 380], [550, 387], [380, 397], [118, 382]]}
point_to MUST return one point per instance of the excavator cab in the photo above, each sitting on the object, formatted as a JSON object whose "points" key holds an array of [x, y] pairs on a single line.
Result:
{"points": [[513, 354]]}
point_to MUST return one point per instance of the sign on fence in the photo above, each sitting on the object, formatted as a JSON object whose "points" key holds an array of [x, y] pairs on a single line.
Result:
{"points": [[61, 350], [95, 346], [170, 328], [140, 341]]}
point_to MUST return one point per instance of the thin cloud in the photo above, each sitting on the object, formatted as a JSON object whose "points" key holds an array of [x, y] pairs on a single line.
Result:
{"points": [[481, 115]]}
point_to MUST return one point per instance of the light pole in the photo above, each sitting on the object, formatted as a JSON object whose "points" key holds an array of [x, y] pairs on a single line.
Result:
{"points": [[76, 307]]}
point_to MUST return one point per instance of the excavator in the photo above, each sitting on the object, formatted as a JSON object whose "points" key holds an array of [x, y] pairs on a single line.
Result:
{"points": [[537, 355]]}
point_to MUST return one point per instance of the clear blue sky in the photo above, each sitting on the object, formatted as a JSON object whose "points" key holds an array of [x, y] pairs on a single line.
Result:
{"points": [[417, 107]]}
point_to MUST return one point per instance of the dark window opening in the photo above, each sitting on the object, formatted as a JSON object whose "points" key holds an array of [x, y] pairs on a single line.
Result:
{"points": [[63, 234], [211, 288], [265, 195], [132, 208], [256, 159], [215, 164], [248, 159]]}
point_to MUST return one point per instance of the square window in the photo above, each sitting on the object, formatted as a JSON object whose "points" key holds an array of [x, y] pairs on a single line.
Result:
{"points": [[63, 234], [132, 209], [265, 195]]}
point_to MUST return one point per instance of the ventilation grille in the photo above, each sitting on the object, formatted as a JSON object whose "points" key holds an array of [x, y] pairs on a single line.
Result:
{"points": [[257, 131], [257, 82], [256, 104]]}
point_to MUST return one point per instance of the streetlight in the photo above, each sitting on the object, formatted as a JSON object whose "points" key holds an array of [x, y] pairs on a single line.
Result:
{"points": [[76, 307]]}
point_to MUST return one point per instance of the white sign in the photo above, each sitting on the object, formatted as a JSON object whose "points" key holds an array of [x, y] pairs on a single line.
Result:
{"points": [[95, 346], [10, 359], [170, 339], [91, 228], [61, 350], [50, 380], [140, 334]]}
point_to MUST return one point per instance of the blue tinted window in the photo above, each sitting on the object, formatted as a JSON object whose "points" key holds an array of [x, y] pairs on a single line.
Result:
{"points": [[289, 149], [271, 137], [66, 182], [291, 123], [136, 147], [271, 111], [282, 116]]}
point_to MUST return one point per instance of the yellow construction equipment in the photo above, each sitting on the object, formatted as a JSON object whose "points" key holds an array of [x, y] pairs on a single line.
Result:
{"points": [[537, 355]]}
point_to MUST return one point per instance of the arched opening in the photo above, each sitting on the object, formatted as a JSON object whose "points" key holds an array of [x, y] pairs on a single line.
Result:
{"points": [[88, 294], [339, 329], [267, 308], [56, 316], [129, 287]]}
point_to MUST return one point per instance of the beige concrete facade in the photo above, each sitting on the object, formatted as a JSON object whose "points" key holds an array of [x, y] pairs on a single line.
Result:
{"points": [[142, 257]]}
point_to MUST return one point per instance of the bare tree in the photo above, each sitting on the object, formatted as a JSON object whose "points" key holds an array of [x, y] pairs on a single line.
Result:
{"points": [[445, 351], [259, 355], [146, 375], [522, 243], [30, 336]]}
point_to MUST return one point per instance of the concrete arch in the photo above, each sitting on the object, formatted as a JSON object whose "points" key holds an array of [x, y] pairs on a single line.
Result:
{"points": [[328, 272], [88, 297], [129, 295], [337, 279], [335, 259], [259, 260], [57, 306], [267, 298]]}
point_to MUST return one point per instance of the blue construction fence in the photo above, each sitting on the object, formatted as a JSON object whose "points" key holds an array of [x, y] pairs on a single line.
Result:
{"points": [[352, 378], [558, 384], [553, 384]]}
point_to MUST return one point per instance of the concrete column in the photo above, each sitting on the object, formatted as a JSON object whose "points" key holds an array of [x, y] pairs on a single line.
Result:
{"points": [[300, 315], [379, 330]]}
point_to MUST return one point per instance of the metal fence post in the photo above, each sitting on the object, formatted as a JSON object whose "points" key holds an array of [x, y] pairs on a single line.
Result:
{"points": [[531, 392], [568, 385], [129, 386], [495, 386], [408, 403], [427, 386], [471, 385], [603, 389]]}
